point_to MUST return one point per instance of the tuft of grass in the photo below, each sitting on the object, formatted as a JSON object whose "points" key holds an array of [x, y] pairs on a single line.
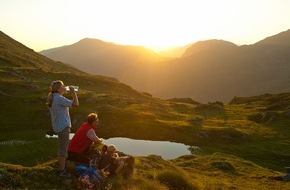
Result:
{"points": [[175, 179], [223, 165]]}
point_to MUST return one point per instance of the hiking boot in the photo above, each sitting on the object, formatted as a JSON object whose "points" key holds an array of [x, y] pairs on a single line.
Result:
{"points": [[64, 173]]}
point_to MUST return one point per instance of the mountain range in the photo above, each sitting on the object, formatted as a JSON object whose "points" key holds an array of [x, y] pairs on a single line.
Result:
{"points": [[205, 71]]}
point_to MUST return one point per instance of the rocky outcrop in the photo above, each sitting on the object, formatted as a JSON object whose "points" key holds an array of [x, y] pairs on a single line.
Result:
{"points": [[264, 117], [217, 106]]}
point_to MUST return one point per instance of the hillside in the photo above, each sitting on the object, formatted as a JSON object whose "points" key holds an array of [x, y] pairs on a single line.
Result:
{"points": [[281, 39], [26, 77], [218, 171], [207, 71]]}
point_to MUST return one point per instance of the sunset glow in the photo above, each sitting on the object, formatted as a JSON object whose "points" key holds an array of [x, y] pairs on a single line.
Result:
{"points": [[154, 24]]}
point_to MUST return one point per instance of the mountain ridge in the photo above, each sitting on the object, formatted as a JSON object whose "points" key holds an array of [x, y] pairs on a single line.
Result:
{"points": [[208, 46], [208, 70], [110, 59], [282, 38]]}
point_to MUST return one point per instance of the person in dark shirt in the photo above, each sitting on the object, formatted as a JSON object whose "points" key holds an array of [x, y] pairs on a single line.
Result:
{"points": [[113, 163]]}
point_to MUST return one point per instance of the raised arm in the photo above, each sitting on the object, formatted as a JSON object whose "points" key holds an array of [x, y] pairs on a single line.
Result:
{"points": [[75, 102]]}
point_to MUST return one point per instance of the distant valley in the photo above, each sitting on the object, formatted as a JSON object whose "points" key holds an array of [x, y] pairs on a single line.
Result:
{"points": [[206, 71]]}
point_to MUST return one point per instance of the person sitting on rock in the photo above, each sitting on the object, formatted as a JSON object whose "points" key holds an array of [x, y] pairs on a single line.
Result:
{"points": [[78, 148], [115, 164]]}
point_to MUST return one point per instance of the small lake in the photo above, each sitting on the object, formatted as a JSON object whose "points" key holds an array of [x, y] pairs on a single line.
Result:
{"points": [[167, 150]]}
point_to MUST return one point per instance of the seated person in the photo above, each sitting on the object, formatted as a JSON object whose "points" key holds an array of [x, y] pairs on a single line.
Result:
{"points": [[114, 164], [78, 148]]}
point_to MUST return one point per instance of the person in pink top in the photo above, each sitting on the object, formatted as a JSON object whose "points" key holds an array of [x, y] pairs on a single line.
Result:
{"points": [[78, 148]]}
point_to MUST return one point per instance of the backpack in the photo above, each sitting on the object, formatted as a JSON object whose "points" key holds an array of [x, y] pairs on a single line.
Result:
{"points": [[88, 177]]}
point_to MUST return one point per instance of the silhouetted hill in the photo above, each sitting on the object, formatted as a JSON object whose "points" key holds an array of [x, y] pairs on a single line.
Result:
{"points": [[225, 70], [207, 71], [281, 39], [15, 54], [25, 77], [208, 47], [99, 57]]}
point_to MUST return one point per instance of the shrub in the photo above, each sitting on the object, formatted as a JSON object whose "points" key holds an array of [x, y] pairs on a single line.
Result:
{"points": [[175, 180]]}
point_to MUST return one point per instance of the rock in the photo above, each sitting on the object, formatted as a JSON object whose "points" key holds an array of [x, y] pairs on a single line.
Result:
{"points": [[269, 116], [286, 177], [184, 100], [287, 170], [203, 135], [218, 106], [195, 150], [265, 117], [287, 113]]}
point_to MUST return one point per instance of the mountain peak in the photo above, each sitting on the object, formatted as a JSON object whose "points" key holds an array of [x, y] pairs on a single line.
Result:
{"points": [[90, 40], [208, 45], [92, 43]]}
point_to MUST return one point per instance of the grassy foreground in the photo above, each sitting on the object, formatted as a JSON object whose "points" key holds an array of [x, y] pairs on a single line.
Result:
{"points": [[216, 171]]}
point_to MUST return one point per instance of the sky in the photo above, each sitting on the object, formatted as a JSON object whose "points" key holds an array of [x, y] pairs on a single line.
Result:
{"points": [[155, 24]]}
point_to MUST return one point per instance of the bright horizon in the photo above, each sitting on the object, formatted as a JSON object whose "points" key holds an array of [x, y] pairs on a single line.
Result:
{"points": [[154, 24]]}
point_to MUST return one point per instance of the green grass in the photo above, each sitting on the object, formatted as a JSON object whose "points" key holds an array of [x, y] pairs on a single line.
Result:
{"points": [[229, 131], [175, 179], [27, 148], [216, 171]]}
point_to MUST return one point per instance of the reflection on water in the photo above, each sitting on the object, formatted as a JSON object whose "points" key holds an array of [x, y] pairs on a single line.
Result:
{"points": [[55, 136], [14, 142], [167, 150]]}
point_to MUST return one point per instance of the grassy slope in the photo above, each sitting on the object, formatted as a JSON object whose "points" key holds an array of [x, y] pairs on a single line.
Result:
{"points": [[217, 171]]}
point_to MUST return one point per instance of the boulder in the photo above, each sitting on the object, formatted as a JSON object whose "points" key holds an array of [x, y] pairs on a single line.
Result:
{"points": [[264, 117]]}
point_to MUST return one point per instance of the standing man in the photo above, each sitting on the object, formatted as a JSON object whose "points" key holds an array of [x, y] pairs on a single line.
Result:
{"points": [[60, 119]]}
